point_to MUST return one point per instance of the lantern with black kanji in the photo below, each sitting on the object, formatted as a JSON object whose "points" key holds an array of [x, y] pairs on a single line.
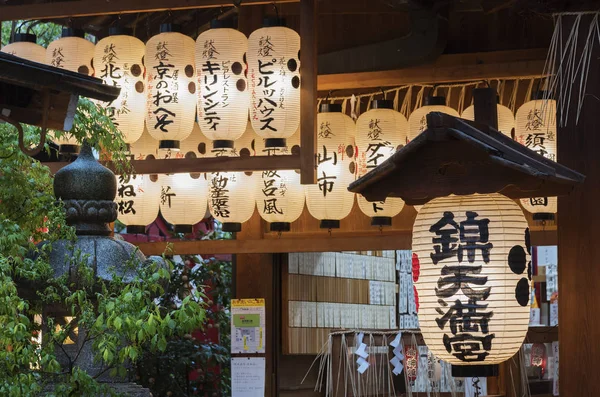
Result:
{"points": [[329, 199], [536, 129], [380, 131], [417, 122], [274, 80], [171, 87], [506, 118], [183, 200], [24, 45], [71, 52], [473, 255], [223, 91], [137, 201], [118, 61]]}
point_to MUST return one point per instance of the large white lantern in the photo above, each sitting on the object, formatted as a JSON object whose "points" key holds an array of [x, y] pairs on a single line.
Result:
{"points": [[183, 200], [329, 199], [71, 52], [473, 256], [380, 131], [506, 118], [119, 61], [24, 46], [144, 148], [417, 122], [280, 196], [137, 201], [536, 129], [274, 78], [196, 145], [223, 93], [171, 87]]}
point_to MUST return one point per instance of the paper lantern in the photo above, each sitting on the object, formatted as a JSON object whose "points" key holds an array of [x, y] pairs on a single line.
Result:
{"points": [[183, 200], [473, 256], [274, 78], [417, 122], [137, 201], [145, 147], [196, 145], [329, 199], [118, 61], [506, 118], [280, 196], [380, 131], [536, 129], [24, 46], [171, 87], [223, 93], [71, 52]]}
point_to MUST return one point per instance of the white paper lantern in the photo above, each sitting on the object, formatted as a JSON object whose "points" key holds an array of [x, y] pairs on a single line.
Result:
{"points": [[329, 199], [25, 46], [196, 145], [380, 131], [506, 118], [71, 52], [144, 147], [183, 200], [118, 61], [417, 122], [171, 87], [223, 93], [274, 78], [137, 201], [473, 256], [536, 129]]}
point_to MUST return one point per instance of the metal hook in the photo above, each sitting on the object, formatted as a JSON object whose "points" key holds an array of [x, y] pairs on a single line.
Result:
{"points": [[276, 10], [279, 233], [382, 92], [329, 231], [329, 94]]}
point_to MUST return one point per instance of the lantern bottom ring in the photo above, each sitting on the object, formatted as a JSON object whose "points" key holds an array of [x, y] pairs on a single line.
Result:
{"points": [[68, 149], [222, 144], [329, 224], [169, 144], [472, 371], [232, 227], [543, 216], [381, 221], [280, 226], [136, 229], [275, 142], [183, 229]]}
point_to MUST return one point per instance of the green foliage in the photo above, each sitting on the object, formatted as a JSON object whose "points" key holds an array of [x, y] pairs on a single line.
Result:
{"points": [[45, 31]]}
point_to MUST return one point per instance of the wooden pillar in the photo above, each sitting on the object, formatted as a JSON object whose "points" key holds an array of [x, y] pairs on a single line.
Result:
{"points": [[578, 236]]}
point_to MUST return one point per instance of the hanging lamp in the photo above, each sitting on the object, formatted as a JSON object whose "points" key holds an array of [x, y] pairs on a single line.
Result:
{"points": [[506, 118], [24, 45], [71, 52], [183, 199], [417, 122]]}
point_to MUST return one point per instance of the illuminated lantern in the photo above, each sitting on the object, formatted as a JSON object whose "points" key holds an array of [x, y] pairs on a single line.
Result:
{"points": [[194, 146], [171, 87], [137, 201], [223, 92], [506, 118], [474, 259], [417, 122], [329, 199], [247, 144], [71, 52], [379, 133], [183, 200], [274, 78], [280, 196], [24, 46], [118, 61], [145, 147], [536, 129]]}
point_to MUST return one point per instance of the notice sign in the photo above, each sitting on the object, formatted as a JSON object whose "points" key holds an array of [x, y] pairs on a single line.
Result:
{"points": [[247, 326], [248, 377]]}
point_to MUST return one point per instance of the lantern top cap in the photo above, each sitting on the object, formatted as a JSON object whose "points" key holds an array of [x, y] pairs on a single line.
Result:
{"points": [[434, 100], [120, 31], [72, 32], [170, 28], [382, 104], [221, 23], [330, 108], [24, 38], [271, 22]]}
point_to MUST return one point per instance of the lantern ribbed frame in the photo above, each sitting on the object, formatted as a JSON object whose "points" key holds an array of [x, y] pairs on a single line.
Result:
{"points": [[183, 198], [166, 119], [417, 122], [274, 95], [377, 127], [118, 60], [324, 201], [223, 94], [506, 118], [536, 122], [507, 233], [71, 53], [26, 50]]}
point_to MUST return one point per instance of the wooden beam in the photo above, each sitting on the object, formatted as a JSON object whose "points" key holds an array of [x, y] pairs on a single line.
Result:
{"points": [[84, 8], [446, 69], [213, 164], [308, 91]]}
